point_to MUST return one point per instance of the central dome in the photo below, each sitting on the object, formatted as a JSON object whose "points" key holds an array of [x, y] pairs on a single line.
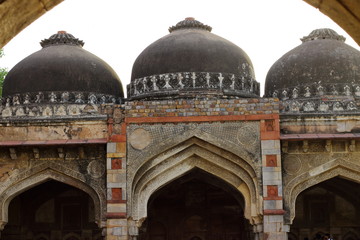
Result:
{"points": [[192, 58]]}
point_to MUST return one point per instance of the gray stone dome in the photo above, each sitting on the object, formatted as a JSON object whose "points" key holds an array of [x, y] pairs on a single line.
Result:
{"points": [[322, 65], [61, 67], [192, 61]]}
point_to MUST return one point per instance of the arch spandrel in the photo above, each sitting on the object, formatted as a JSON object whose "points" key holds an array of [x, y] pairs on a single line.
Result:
{"points": [[195, 153], [329, 170], [173, 138], [48, 171]]}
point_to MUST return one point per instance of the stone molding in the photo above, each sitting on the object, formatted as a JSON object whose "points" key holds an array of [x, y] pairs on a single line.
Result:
{"points": [[320, 106], [58, 97], [191, 84], [50, 111], [57, 105], [317, 90], [320, 99]]}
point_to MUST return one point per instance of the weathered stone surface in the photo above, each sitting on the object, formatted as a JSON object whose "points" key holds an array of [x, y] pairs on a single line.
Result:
{"points": [[47, 130], [140, 138], [306, 169], [18, 14], [34, 167], [344, 13]]}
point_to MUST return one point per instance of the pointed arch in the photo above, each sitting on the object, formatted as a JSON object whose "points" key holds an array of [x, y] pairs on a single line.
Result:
{"points": [[71, 236], [329, 170], [41, 236], [193, 153], [351, 235], [25, 182]]}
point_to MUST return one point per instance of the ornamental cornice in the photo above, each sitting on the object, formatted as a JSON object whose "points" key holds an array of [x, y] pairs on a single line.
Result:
{"points": [[188, 84]]}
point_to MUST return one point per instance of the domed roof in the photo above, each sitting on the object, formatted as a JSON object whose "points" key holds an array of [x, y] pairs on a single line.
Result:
{"points": [[62, 65], [192, 58], [322, 65]]}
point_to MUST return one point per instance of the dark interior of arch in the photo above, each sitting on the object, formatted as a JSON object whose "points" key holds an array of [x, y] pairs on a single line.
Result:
{"points": [[51, 210], [330, 207], [196, 206]]}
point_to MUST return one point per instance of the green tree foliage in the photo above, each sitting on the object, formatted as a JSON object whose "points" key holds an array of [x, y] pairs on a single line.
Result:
{"points": [[3, 72]]}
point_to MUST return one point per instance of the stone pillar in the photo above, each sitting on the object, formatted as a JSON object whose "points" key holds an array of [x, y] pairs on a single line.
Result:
{"points": [[258, 232], [133, 230], [273, 222], [2, 225], [116, 225]]}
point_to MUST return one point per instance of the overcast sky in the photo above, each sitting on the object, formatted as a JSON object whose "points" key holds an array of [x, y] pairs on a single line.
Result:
{"points": [[118, 30]]}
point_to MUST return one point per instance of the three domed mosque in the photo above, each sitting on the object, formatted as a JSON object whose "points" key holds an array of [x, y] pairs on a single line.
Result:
{"points": [[190, 62]]}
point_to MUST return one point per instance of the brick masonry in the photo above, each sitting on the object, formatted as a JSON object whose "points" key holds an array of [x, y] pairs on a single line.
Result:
{"points": [[192, 107], [238, 112]]}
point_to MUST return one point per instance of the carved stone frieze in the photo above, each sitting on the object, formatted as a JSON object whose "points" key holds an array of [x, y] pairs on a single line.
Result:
{"points": [[321, 146], [49, 111], [183, 83], [320, 106], [316, 98], [316, 90], [58, 97]]}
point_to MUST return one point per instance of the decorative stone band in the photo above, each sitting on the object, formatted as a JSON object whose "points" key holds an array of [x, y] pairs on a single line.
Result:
{"points": [[317, 90], [58, 98], [330, 105], [53, 111], [193, 84]]}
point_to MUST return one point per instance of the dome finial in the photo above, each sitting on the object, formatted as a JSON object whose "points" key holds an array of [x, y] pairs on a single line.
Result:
{"points": [[61, 37], [190, 22], [323, 33]]}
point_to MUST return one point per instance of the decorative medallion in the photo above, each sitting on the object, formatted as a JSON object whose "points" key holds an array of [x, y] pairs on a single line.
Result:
{"points": [[247, 136], [96, 169], [292, 164], [140, 138]]}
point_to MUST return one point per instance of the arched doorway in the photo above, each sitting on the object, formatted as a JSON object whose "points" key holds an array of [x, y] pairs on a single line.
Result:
{"points": [[330, 207], [197, 206], [51, 210]]}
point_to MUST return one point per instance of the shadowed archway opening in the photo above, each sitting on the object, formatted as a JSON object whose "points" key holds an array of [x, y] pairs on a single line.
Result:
{"points": [[196, 206], [52, 210], [330, 207]]}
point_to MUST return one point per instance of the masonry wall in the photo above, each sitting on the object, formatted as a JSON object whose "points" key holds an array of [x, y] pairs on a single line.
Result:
{"points": [[143, 116], [192, 107]]}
